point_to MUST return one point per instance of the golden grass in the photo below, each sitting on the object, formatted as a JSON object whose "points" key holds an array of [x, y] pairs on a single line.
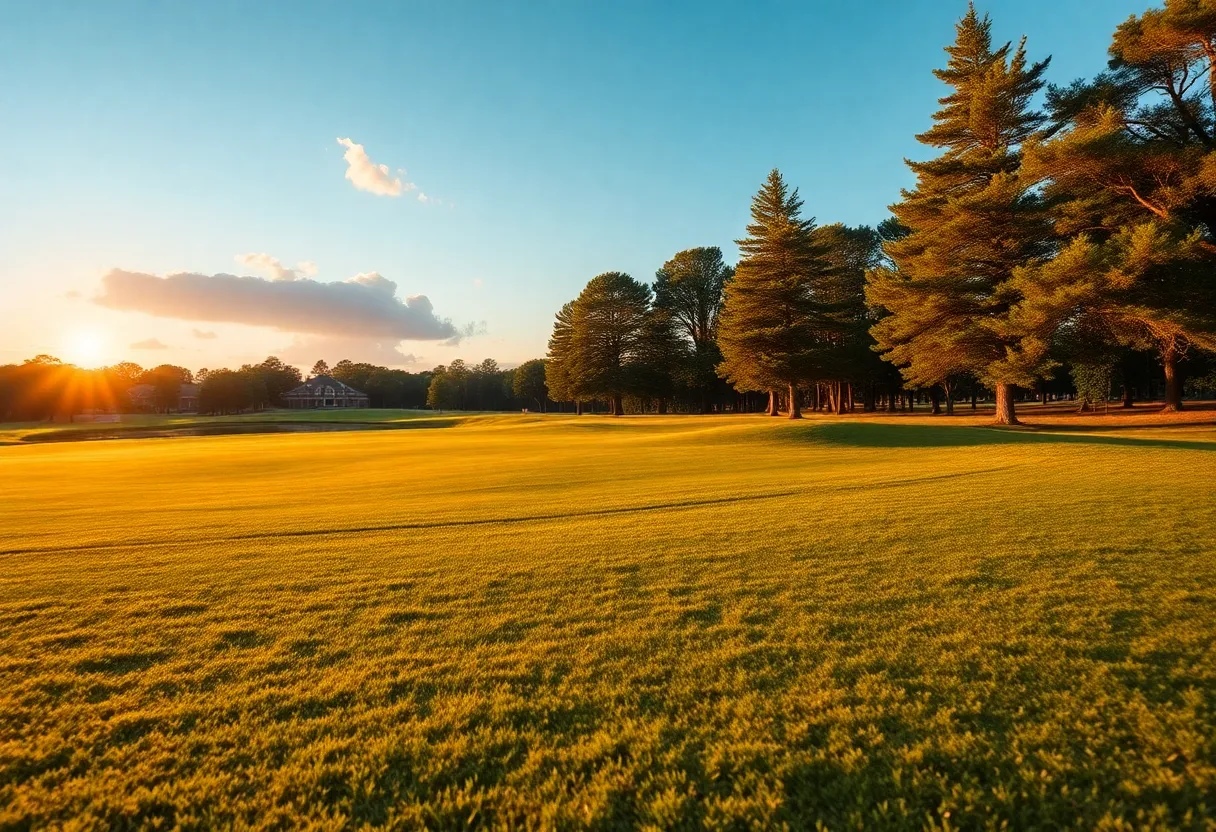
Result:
{"points": [[645, 622]]}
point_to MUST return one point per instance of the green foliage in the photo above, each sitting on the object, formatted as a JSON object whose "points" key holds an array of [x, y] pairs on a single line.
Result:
{"points": [[275, 377], [445, 391], [671, 623], [601, 342], [688, 293], [1093, 383], [528, 383], [768, 323], [970, 222], [229, 391], [1131, 173], [559, 363]]}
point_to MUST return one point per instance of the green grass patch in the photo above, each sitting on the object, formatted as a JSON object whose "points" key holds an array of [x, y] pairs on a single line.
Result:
{"points": [[647, 622]]}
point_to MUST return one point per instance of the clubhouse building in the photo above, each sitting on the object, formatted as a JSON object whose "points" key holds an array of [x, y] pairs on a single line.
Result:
{"points": [[324, 392]]}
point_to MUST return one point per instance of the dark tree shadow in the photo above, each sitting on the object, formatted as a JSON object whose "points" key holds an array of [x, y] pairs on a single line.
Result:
{"points": [[864, 435]]}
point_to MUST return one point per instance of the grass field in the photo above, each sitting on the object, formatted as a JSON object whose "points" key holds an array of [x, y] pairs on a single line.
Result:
{"points": [[684, 622], [17, 432]]}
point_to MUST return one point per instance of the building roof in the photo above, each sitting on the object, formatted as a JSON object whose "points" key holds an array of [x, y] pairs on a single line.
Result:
{"points": [[317, 387]]}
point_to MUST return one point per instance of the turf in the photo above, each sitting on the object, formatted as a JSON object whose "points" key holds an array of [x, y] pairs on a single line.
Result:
{"points": [[17, 432], [646, 622]]}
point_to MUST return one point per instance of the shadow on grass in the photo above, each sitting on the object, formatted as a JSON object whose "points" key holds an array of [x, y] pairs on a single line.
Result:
{"points": [[861, 435], [231, 429]]}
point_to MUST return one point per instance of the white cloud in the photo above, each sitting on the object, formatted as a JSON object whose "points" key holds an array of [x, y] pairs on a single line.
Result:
{"points": [[204, 335], [366, 175], [366, 306], [274, 267], [149, 344]]}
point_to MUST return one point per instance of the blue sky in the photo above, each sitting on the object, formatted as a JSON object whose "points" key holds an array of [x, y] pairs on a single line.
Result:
{"points": [[554, 140]]}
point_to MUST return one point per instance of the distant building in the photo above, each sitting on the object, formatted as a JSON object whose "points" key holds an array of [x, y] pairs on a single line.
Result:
{"points": [[143, 397], [323, 392]]}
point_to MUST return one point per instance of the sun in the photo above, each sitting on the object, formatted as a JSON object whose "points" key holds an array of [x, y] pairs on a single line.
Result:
{"points": [[85, 349]]}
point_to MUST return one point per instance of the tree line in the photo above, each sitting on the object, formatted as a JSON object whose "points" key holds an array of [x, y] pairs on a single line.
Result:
{"points": [[43, 387], [1056, 228]]}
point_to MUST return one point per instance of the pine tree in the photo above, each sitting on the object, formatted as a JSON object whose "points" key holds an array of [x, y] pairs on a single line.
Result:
{"points": [[1131, 172], [607, 337], [768, 322], [559, 361], [971, 221]]}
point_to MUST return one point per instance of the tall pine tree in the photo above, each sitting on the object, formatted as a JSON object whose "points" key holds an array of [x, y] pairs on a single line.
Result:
{"points": [[767, 327], [1131, 171], [971, 221]]}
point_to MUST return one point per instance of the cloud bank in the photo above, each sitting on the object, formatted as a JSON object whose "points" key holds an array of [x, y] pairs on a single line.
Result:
{"points": [[366, 306], [204, 335], [149, 344], [366, 175]]}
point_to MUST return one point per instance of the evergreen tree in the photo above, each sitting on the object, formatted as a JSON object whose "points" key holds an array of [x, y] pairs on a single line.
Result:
{"points": [[559, 363], [844, 352], [608, 337], [320, 368], [767, 326], [971, 221], [1132, 173]]}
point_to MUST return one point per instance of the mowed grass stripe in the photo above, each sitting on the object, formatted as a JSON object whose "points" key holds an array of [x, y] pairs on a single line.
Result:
{"points": [[489, 521]]}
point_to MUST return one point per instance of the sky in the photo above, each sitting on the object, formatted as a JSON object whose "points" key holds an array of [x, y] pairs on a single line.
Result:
{"points": [[406, 183]]}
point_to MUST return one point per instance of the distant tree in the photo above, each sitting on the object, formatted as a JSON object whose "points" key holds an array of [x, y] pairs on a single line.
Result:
{"points": [[166, 381], [275, 377], [690, 289], [343, 371], [126, 372], [444, 392], [320, 368], [767, 326], [225, 391], [971, 222], [201, 374], [528, 383]]}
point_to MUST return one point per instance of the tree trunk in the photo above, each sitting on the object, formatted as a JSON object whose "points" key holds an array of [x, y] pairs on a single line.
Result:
{"points": [[1127, 395], [891, 399], [618, 407], [935, 397], [1005, 414], [974, 397], [1173, 384], [772, 403], [795, 409], [578, 408], [949, 388], [663, 407]]}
